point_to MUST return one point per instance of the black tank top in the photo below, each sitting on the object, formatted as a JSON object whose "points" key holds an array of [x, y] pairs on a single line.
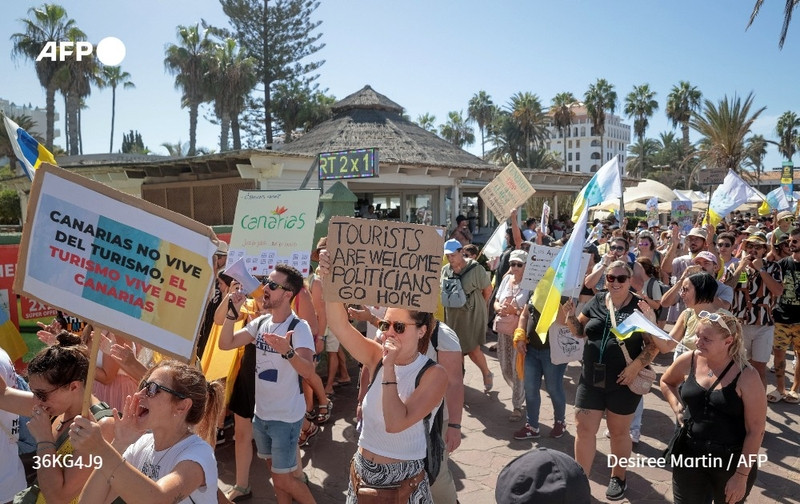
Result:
{"points": [[717, 416]]}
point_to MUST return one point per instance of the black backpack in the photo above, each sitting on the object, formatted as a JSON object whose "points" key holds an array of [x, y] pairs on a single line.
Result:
{"points": [[434, 440]]}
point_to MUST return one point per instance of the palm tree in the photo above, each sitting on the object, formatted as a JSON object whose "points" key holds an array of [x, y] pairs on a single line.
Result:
{"points": [[682, 101], [178, 149], [288, 103], [756, 152], [561, 109], [113, 76], [188, 62], [74, 79], [599, 98], [543, 159], [640, 156], [528, 115], [480, 110], [788, 8], [456, 131], [427, 122], [231, 76], [48, 23], [787, 129], [724, 127], [640, 104]]}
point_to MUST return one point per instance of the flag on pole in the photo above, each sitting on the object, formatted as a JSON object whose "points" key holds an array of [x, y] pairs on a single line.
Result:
{"points": [[545, 218], [494, 247], [729, 195], [28, 150], [776, 199], [597, 190], [565, 272]]}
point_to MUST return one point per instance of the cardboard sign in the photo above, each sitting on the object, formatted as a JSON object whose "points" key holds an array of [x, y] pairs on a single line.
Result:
{"points": [[274, 227], [564, 346], [384, 263], [682, 214], [115, 260], [509, 189], [540, 258]]}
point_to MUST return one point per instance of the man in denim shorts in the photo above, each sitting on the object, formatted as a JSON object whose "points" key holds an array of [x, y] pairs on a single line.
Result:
{"points": [[284, 352]]}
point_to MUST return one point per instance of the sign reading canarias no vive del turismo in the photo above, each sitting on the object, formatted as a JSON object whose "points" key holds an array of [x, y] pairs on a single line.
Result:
{"points": [[274, 227], [115, 260]]}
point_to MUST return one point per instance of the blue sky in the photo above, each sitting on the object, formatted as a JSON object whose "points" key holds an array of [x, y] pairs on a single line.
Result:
{"points": [[433, 56]]}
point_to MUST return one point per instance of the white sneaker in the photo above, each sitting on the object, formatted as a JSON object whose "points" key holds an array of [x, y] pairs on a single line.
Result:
{"points": [[635, 434]]}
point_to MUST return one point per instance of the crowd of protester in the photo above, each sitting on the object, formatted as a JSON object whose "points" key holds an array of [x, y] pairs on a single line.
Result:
{"points": [[730, 294]]}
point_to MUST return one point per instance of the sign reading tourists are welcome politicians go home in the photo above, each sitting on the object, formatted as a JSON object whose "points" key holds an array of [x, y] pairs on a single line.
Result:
{"points": [[115, 260]]}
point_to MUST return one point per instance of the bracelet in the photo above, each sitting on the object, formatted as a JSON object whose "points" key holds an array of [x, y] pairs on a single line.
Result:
{"points": [[454, 425], [45, 442], [111, 476], [389, 383], [743, 474]]}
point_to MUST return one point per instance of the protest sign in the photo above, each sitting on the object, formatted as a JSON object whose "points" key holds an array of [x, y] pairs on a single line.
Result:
{"points": [[115, 260], [540, 258], [274, 227], [545, 218], [564, 346], [384, 263], [682, 214], [652, 212], [509, 189]]}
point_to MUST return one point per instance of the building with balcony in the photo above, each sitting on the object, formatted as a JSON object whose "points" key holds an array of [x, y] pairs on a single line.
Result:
{"points": [[583, 143]]}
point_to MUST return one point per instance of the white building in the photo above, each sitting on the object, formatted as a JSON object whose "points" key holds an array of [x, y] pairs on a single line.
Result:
{"points": [[38, 115], [583, 144]]}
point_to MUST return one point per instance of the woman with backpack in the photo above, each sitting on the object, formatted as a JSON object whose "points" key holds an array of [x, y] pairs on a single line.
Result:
{"points": [[389, 465]]}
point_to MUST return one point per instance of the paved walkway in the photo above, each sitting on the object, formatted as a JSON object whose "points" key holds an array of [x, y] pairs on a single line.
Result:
{"points": [[488, 445]]}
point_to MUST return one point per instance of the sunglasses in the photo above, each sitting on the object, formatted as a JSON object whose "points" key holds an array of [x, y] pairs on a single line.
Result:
{"points": [[793, 241], [715, 317], [617, 278], [644, 244], [616, 248], [516, 264], [399, 327], [724, 244], [42, 395], [273, 286], [152, 388]]}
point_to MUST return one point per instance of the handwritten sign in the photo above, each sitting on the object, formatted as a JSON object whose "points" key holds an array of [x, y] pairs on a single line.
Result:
{"points": [[540, 258], [273, 227], [384, 263], [116, 260], [356, 163], [564, 346], [509, 189], [682, 214]]}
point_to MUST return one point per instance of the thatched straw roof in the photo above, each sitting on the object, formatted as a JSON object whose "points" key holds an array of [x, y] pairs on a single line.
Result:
{"points": [[369, 119]]}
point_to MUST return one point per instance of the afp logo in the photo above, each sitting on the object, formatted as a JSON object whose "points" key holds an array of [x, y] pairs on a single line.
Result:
{"points": [[110, 51]]}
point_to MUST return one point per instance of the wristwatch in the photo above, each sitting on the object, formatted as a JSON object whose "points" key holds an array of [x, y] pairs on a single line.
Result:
{"points": [[289, 354]]}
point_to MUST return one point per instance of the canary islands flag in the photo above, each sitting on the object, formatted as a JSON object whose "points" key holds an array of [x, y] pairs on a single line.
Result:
{"points": [[775, 199], [565, 272], [732, 193], [28, 150]]}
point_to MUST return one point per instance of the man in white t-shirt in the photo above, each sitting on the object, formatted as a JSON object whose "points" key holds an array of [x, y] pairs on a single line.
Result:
{"points": [[284, 353], [12, 474]]}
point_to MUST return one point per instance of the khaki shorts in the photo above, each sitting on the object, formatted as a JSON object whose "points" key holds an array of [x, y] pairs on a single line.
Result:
{"points": [[787, 336], [758, 342], [331, 342]]}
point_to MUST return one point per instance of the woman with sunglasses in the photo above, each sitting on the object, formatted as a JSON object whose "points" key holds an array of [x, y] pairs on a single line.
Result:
{"points": [[603, 386], [57, 378], [508, 305], [162, 451], [722, 398], [392, 444], [646, 248]]}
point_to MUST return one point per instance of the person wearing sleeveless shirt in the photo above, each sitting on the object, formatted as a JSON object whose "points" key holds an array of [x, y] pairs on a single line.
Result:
{"points": [[722, 397], [392, 444]]}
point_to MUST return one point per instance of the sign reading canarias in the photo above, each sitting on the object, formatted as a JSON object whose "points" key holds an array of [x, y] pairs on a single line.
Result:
{"points": [[115, 260], [273, 227]]}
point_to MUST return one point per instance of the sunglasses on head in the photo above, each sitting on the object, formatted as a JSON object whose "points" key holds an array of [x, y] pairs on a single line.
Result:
{"points": [[715, 317], [399, 327], [42, 395], [273, 286], [516, 264], [617, 278], [152, 388]]}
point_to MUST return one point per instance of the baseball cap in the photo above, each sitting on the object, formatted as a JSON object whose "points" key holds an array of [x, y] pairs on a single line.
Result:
{"points": [[542, 476], [708, 256], [759, 238], [519, 255], [782, 239], [750, 230], [699, 232], [222, 248], [452, 246]]}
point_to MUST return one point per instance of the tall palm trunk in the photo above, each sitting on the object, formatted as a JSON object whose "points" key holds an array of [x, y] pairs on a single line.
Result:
{"points": [[67, 129], [51, 117], [73, 101], [267, 95], [237, 140], [80, 131], [225, 125], [192, 128], [564, 141], [113, 112]]}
